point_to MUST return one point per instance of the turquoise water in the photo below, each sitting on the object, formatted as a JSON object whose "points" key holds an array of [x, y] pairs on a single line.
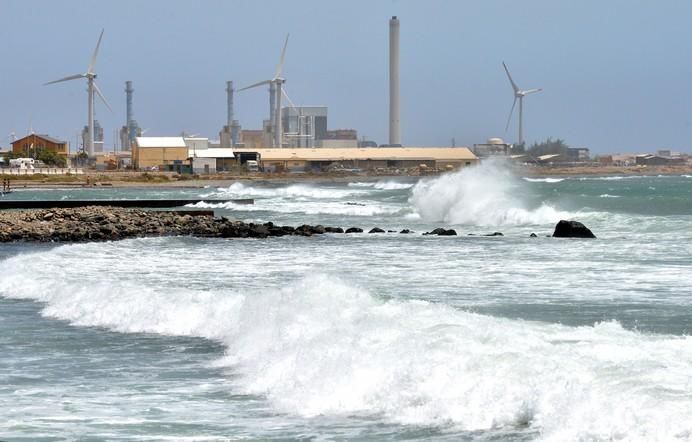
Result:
{"points": [[364, 337]]}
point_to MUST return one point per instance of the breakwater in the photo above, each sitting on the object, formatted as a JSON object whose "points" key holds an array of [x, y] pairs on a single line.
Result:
{"points": [[99, 223]]}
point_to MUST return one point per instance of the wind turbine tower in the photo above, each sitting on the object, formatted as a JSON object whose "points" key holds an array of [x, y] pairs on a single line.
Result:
{"points": [[394, 121], [275, 85], [92, 89], [518, 95]]}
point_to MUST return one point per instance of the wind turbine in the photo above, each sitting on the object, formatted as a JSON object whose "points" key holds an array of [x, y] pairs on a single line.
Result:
{"points": [[518, 95], [92, 88], [275, 94]]}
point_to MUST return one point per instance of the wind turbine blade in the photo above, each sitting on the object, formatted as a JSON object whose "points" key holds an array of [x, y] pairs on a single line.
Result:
{"points": [[514, 85], [283, 92], [255, 85], [509, 118], [280, 66], [531, 91], [98, 92], [71, 77], [92, 63]]}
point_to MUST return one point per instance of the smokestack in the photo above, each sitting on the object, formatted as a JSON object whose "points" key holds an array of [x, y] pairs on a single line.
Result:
{"points": [[129, 91], [229, 91], [394, 125]]}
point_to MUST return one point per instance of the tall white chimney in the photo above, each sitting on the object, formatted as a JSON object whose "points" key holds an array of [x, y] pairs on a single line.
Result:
{"points": [[394, 123]]}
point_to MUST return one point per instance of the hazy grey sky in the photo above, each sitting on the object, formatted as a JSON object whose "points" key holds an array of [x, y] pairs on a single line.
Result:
{"points": [[617, 75]]}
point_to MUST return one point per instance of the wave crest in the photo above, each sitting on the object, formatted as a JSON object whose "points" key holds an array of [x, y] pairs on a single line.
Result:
{"points": [[484, 195]]}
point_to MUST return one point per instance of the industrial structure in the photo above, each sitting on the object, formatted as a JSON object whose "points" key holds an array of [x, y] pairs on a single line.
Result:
{"points": [[131, 129], [97, 137], [394, 119], [92, 89], [230, 133], [275, 93], [325, 159], [518, 95]]}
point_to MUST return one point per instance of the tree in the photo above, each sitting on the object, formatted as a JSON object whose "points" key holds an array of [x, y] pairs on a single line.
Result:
{"points": [[50, 158], [548, 147]]}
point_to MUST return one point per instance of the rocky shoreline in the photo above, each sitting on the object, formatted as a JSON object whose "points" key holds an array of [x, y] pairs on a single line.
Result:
{"points": [[97, 223]]}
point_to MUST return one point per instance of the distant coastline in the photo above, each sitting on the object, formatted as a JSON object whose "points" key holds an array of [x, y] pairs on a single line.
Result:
{"points": [[162, 179]]}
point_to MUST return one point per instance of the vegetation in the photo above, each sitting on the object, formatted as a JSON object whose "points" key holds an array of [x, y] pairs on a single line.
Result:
{"points": [[548, 147], [47, 157]]}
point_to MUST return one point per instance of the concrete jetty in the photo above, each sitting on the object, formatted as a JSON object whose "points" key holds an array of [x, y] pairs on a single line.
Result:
{"points": [[145, 203]]}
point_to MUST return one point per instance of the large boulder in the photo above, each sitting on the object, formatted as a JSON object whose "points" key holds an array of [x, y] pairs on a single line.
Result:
{"points": [[442, 232], [354, 230], [572, 229], [376, 230]]}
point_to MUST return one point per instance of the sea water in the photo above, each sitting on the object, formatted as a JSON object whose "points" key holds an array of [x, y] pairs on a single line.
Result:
{"points": [[364, 336]]}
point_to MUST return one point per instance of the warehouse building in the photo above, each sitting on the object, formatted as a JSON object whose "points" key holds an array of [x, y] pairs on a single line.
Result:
{"points": [[322, 159]]}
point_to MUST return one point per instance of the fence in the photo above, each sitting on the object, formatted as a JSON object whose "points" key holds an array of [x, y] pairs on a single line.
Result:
{"points": [[42, 171]]}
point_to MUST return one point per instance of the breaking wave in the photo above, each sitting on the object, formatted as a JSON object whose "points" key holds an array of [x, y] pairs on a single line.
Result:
{"points": [[324, 346], [543, 180], [241, 190], [383, 185], [486, 195]]}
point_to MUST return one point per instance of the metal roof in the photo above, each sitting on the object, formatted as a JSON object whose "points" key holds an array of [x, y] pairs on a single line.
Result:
{"points": [[365, 153], [212, 152], [160, 142]]}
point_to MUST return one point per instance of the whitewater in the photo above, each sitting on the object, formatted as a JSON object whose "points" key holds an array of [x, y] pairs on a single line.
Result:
{"points": [[364, 336]]}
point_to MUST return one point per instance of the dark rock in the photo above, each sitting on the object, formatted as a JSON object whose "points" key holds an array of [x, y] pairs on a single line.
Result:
{"points": [[494, 234], [376, 230], [533, 235], [354, 230], [572, 229], [405, 231], [334, 230], [319, 229], [442, 232]]}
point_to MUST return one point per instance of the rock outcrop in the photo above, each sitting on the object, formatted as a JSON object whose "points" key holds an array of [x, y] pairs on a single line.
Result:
{"points": [[572, 229]]}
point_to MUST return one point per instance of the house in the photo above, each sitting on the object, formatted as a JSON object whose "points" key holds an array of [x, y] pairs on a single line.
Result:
{"points": [[35, 142]]}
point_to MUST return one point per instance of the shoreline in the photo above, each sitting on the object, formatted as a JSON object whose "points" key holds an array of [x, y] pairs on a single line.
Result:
{"points": [[171, 180]]}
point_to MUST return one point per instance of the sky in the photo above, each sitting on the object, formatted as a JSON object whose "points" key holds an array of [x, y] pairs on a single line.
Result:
{"points": [[616, 75]]}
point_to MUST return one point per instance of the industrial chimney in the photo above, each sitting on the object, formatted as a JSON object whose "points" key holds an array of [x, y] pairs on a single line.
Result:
{"points": [[128, 93], [394, 124]]}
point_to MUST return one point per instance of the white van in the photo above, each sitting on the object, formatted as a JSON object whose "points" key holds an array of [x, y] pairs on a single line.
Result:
{"points": [[252, 166], [22, 163]]}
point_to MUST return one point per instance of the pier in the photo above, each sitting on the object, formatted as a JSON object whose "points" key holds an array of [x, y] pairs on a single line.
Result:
{"points": [[143, 203]]}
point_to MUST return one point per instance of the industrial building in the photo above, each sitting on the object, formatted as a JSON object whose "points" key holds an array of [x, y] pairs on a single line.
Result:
{"points": [[98, 136], [321, 159], [34, 142], [160, 153]]}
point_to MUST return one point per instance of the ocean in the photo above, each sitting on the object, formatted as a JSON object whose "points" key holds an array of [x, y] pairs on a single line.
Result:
{"points": [[364, 336]]}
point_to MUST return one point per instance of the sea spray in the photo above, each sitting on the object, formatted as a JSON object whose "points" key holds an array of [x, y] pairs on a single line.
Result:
{"points": [[323, 346], [485, 195]]}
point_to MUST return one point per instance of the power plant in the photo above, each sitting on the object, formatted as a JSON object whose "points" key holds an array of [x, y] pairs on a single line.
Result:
{"points": [[131, 128], [275, 84], [394, 120], [230, 133]]}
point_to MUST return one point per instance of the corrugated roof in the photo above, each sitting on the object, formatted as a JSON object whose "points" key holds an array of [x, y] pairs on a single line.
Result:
{"points": [[160, 142], [212, 152], [365, 153]]}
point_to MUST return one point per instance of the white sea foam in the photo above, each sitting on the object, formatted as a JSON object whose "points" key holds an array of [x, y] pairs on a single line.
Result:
{"points": [[487, 195], [307, 207], [323, 346], [543, 180], [383, 185], [607, 195], [241, 190]]}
